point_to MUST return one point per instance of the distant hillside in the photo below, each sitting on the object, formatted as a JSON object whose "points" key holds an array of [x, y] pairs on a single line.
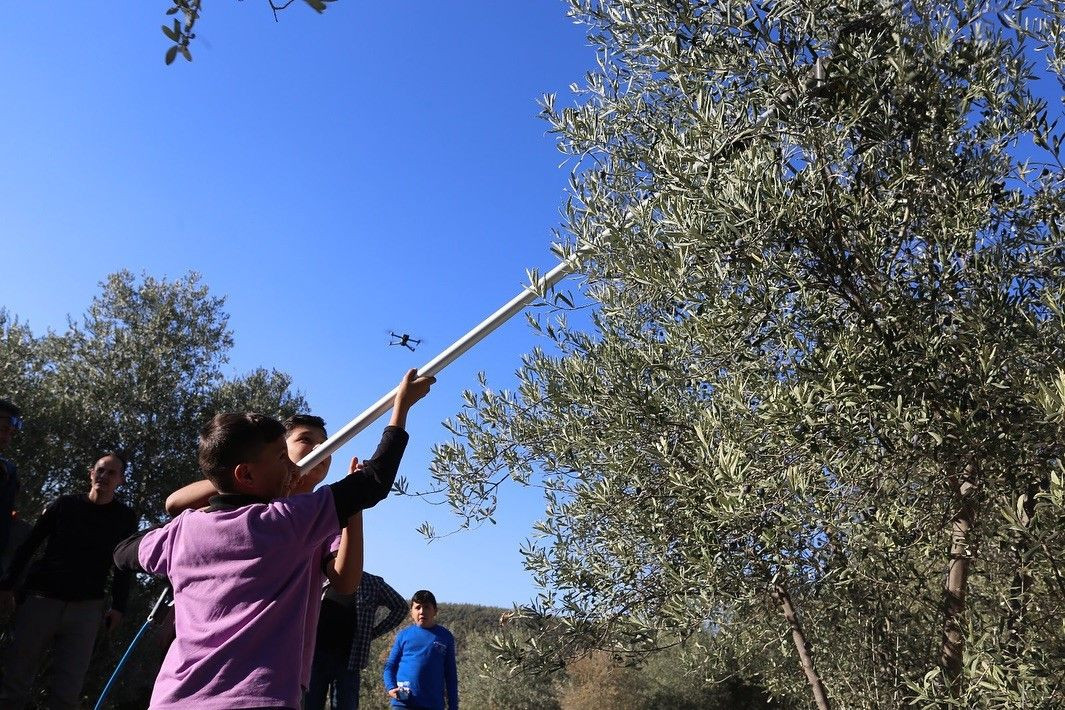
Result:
{"points": [[470, 617], [595, 682]]}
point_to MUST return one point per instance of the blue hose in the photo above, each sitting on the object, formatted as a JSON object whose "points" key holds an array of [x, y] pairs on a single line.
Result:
{"points": [[129, 651]]}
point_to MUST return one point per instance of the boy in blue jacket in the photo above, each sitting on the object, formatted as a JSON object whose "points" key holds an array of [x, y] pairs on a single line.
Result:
{"points": [[421, 667]]}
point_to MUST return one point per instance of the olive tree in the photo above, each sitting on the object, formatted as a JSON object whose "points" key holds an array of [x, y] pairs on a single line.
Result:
{"points": [[813, 408], [140, 372]]}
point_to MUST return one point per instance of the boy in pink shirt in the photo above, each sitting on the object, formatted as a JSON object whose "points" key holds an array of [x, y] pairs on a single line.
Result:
{"points": [[245, 570]]}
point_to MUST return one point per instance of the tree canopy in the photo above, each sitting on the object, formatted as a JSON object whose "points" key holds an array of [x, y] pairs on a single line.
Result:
{"points": [[818, 405], [140, 372]]}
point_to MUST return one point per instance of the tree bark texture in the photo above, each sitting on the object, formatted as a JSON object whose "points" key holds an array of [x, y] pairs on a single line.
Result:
{"points": [[802, 646], [952, 648]]}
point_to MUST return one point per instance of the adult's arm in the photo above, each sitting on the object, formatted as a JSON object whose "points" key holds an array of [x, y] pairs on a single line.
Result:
{"points": [[44, 527], [121, 578], [397, 610], [120, 581], [8, 490]]}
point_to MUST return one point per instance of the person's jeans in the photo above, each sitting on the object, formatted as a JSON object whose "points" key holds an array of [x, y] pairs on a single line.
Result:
{"points": [[69, 628], [332, 668]]}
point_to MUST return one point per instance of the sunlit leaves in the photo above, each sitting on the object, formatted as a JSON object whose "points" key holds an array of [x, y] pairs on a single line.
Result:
{"points": [[826, 283]]}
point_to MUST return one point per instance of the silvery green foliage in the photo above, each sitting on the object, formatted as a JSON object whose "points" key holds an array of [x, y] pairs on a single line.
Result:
{"points": [[825, 254], [140, 371]]}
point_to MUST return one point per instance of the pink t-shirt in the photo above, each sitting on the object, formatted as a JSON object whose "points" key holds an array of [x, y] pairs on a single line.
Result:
{"points": [[246, 584]]}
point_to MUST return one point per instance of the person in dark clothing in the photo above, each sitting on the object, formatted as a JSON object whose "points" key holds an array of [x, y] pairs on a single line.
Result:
{"points": [[10, 423], [345, 629], [64, 590]]}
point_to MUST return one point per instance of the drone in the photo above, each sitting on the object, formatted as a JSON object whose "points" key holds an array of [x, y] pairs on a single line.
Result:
{"points": [[405, 340]]}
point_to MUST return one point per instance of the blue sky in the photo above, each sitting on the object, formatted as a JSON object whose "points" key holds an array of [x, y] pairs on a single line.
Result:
{"points": [[378, 167]]}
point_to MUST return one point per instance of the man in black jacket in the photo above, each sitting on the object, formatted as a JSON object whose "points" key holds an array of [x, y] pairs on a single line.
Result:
{"points": [[64, 590]]}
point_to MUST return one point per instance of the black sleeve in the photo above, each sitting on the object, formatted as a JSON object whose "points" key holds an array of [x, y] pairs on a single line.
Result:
{"points": [[121, 578], [126, 554], [44, 527], [370, 486]]}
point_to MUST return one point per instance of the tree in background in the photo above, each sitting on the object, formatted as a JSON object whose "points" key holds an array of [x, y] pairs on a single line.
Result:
{"points": [[140, 371], [485, 682], [597, 681], [259, 391], [817, 409]]}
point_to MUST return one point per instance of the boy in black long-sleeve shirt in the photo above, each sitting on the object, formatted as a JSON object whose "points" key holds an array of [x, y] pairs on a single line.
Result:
{"points": [[65, 588]]}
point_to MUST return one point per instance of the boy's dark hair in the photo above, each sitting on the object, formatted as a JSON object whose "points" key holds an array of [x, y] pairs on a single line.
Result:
{"points": [[121, 456], [423, 597], [8, 407], [232, 438], [304, 420]]}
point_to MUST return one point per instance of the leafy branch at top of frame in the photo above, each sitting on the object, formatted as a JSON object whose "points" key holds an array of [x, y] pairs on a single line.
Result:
{"points": [[187, 12], [180, 33]]}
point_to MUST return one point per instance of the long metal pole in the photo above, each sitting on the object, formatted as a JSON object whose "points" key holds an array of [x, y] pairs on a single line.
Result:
{"points": [[445, 358]]}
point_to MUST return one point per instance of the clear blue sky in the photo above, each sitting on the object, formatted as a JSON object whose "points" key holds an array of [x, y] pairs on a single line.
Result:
{"points": [[381, 166]]}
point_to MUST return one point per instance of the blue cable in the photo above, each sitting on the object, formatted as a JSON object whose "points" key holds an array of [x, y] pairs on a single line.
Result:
{"points": [[126, 655]]}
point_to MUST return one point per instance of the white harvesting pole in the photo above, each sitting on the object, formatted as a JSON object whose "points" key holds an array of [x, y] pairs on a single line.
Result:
{"points": [[445, 358]]}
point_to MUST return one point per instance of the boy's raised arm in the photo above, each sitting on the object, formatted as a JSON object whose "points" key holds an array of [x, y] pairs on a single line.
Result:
{"points": [[411, 389], [372, 484], [126, 555]]}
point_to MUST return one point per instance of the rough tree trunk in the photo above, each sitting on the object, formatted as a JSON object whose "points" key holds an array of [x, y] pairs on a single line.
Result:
{"points": [[806, 659], [952, 649]]}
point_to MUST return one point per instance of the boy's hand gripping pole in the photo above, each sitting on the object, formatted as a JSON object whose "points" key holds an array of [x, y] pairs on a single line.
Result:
{"points": [[445, 358]]}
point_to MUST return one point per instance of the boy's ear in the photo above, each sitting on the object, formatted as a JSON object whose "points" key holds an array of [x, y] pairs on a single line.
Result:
{"points": [[242, 474]]}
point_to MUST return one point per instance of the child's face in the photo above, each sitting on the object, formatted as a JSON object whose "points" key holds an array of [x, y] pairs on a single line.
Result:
{"points": [[271, 472], [302, 440], [424, 615]]}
